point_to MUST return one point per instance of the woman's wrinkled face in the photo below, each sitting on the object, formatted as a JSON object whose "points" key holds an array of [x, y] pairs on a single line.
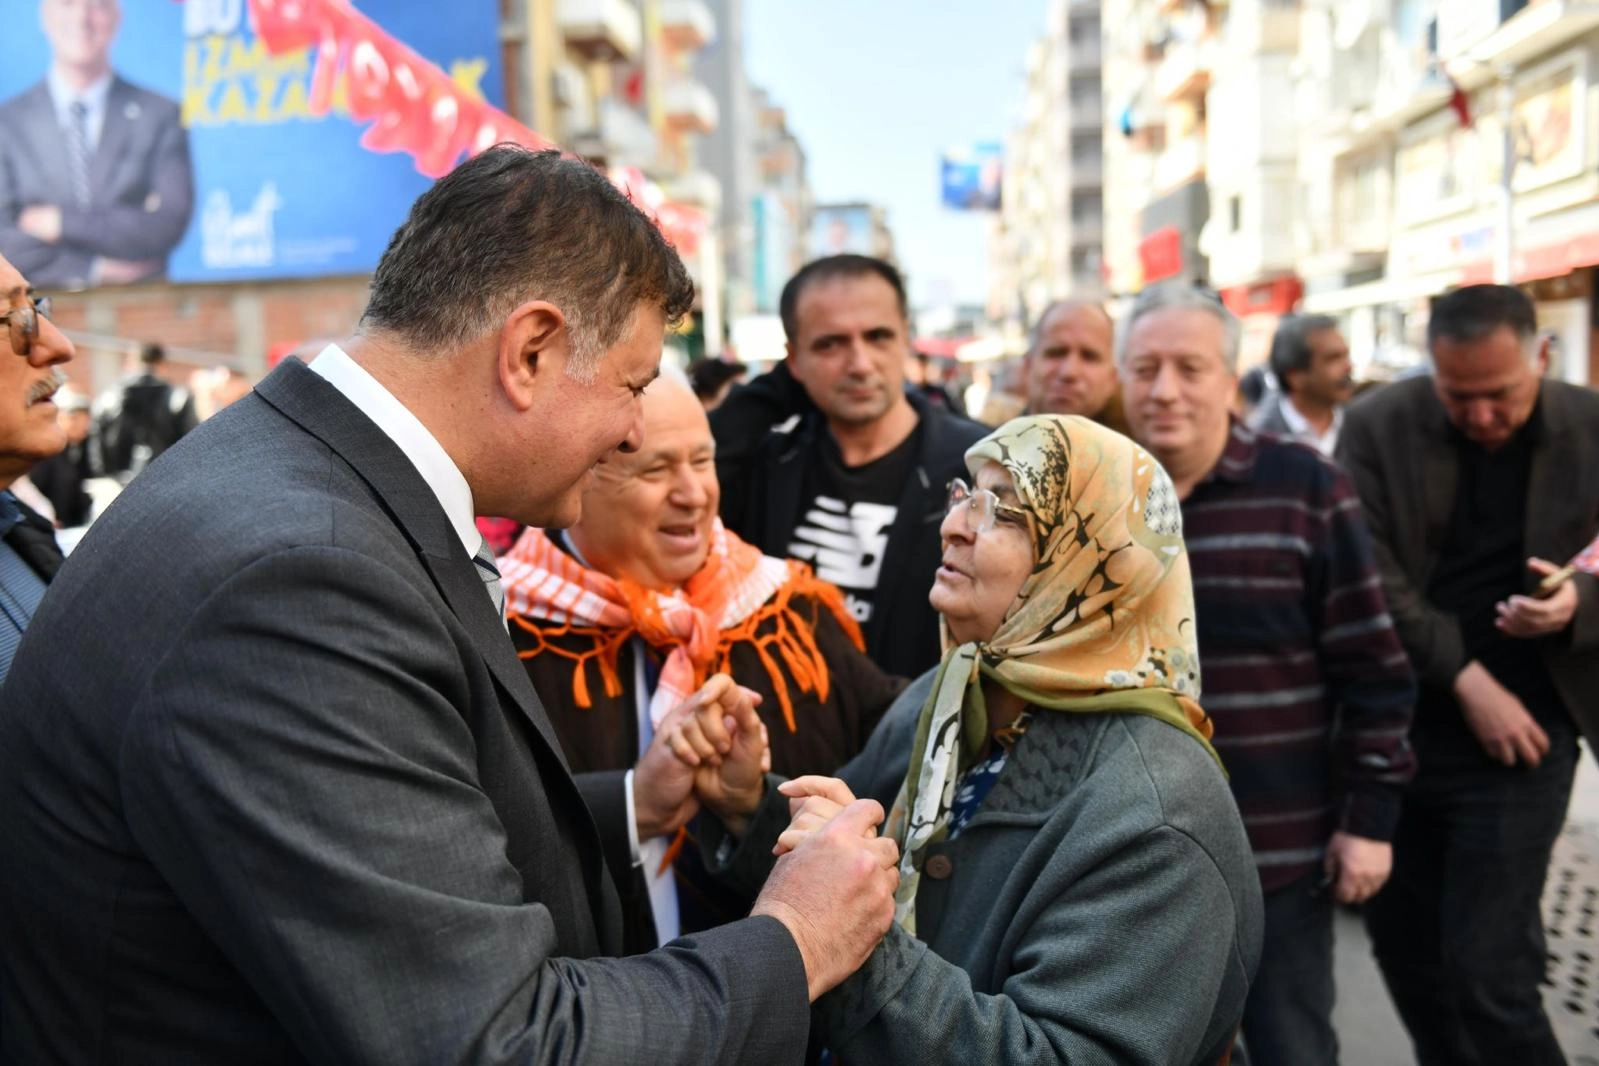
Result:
{"points": [[982, 572]]}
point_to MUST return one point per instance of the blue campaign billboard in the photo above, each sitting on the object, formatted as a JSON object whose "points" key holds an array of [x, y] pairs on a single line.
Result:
{"points": [[221, 140], [970, 177]]}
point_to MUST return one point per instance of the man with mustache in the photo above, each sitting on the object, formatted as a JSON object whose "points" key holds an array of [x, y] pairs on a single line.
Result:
{"points": [[31, 353], [1310, 359]]}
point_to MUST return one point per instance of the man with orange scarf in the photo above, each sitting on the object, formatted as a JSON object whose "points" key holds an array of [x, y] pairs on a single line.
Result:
{"points": [[624, 615]]}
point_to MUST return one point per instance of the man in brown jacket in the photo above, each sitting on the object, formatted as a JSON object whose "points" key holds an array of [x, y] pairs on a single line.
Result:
{"points": [[1478, 482]]}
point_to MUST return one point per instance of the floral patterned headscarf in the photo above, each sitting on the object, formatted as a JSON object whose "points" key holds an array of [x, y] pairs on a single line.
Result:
{"points": [[1104, 623]]}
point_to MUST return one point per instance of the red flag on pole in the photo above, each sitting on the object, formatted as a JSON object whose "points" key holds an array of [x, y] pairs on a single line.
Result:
{"points": [[1459, 102]]}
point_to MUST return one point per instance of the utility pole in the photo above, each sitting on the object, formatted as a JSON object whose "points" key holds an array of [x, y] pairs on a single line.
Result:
{"points": [[1505, 238]]}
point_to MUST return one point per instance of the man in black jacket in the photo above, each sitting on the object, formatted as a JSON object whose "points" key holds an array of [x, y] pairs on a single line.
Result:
{"points": [[830, 460], [150, 415]]}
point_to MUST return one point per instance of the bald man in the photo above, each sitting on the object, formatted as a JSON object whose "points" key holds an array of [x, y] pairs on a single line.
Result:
{"points": [[1071, 367], [650, 525]]}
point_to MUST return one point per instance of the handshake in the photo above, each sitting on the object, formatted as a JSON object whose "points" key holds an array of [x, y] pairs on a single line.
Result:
{"points": [[833, 882]]}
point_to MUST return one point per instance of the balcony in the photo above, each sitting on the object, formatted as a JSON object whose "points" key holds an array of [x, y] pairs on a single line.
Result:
{"points": [[687, 25], [698, 188], [1184, 71], [1088, 173], [601, 30], [1087, 115], [689, 106], [1183, 159]]}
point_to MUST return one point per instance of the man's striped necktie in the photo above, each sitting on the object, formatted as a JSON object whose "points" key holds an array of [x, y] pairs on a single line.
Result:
{"points": [[78, 152], [490, 576]]}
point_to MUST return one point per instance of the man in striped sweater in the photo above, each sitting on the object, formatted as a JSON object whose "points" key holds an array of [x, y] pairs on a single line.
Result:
{"points": [[1303, 671]]}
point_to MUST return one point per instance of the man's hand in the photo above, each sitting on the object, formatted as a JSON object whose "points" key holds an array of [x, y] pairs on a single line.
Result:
{"points": [[1357, 867], [835, 894], [663, 784], [1498, 720], [812, 802], [1528, 616], [42, 222], [726, 743]]}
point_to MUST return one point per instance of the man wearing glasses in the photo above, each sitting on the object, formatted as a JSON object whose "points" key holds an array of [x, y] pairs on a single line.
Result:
{"points": [[31, 352]]}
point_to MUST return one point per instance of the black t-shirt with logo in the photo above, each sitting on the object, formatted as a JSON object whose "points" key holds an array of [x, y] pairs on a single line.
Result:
{"points": [[844, 526]]}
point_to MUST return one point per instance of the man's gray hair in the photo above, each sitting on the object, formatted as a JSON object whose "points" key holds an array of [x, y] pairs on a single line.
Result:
{"points": [[1177, 295]]}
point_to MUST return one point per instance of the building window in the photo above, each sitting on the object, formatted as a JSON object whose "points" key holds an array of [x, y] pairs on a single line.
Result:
{"points": [[1235, 214]]}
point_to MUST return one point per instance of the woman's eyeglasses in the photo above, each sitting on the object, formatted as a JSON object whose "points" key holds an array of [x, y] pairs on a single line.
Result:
{"points": [[982, 508], [24, 323]]}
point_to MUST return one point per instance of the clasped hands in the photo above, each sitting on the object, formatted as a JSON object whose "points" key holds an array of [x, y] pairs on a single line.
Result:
{"points": [[713, 750], [833, 883]]}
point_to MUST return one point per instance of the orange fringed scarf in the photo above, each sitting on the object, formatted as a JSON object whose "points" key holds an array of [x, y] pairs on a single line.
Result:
{"points": [[549, 594]]}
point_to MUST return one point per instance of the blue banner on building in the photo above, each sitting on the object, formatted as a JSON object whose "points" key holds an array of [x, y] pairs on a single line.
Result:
{"points": [[152, 139], [971, 178]]}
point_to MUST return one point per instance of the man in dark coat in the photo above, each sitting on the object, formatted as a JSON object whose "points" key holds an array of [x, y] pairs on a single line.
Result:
{"points": [[295, 800], [1478, 482]]}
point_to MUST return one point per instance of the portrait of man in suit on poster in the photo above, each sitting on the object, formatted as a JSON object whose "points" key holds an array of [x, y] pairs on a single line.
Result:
{"points": [[96, 185]]}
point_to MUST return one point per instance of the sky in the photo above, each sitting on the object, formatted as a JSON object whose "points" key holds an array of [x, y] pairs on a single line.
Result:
{"points": [[877, 90]]}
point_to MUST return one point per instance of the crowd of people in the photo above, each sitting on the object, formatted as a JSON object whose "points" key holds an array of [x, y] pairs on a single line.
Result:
{"points": [[792, 719]]}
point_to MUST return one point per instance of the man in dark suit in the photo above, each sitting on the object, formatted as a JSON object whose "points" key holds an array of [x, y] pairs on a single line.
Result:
{"points": [[296, 800], [1478, 482], [96, 187]]}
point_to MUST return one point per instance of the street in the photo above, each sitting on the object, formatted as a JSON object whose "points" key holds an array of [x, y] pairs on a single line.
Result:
{"points": [[1368, 1029]]}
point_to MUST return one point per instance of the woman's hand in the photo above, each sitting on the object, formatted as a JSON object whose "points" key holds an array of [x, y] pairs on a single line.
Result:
{"points": [[812, 803]]}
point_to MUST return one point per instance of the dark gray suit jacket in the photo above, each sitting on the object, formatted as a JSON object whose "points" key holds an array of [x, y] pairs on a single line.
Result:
{"points": [[141, 184], [275, 788], [1396, 447]]}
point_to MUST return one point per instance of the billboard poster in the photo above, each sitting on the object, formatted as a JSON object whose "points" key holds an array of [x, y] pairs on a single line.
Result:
{"points": [[841, 229], [971, 177], [225, 140]]}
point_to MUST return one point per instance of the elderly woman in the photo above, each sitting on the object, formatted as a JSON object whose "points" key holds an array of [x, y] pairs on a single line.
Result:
{"points": [[1075, 885], [624, 616]]}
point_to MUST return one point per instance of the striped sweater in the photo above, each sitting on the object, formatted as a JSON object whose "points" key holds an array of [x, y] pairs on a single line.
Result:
{"points": [[1303, 671]]}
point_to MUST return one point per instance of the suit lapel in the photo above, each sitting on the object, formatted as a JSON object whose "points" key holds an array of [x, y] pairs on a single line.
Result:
{"points": [[121, 113], [47, 141], [1549, 493], [326, 414]]}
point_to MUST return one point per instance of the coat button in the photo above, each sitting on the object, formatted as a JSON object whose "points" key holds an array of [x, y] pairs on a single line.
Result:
{"points": [[938, 867]]}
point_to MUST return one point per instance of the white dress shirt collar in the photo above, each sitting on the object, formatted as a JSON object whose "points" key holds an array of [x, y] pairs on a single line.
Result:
{"points": [[407, 431], [1301, 428], [63, 96]]}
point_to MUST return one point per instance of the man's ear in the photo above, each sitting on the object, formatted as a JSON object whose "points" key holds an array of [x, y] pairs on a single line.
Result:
{"points": [[533, 350], [1540, 362]]}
